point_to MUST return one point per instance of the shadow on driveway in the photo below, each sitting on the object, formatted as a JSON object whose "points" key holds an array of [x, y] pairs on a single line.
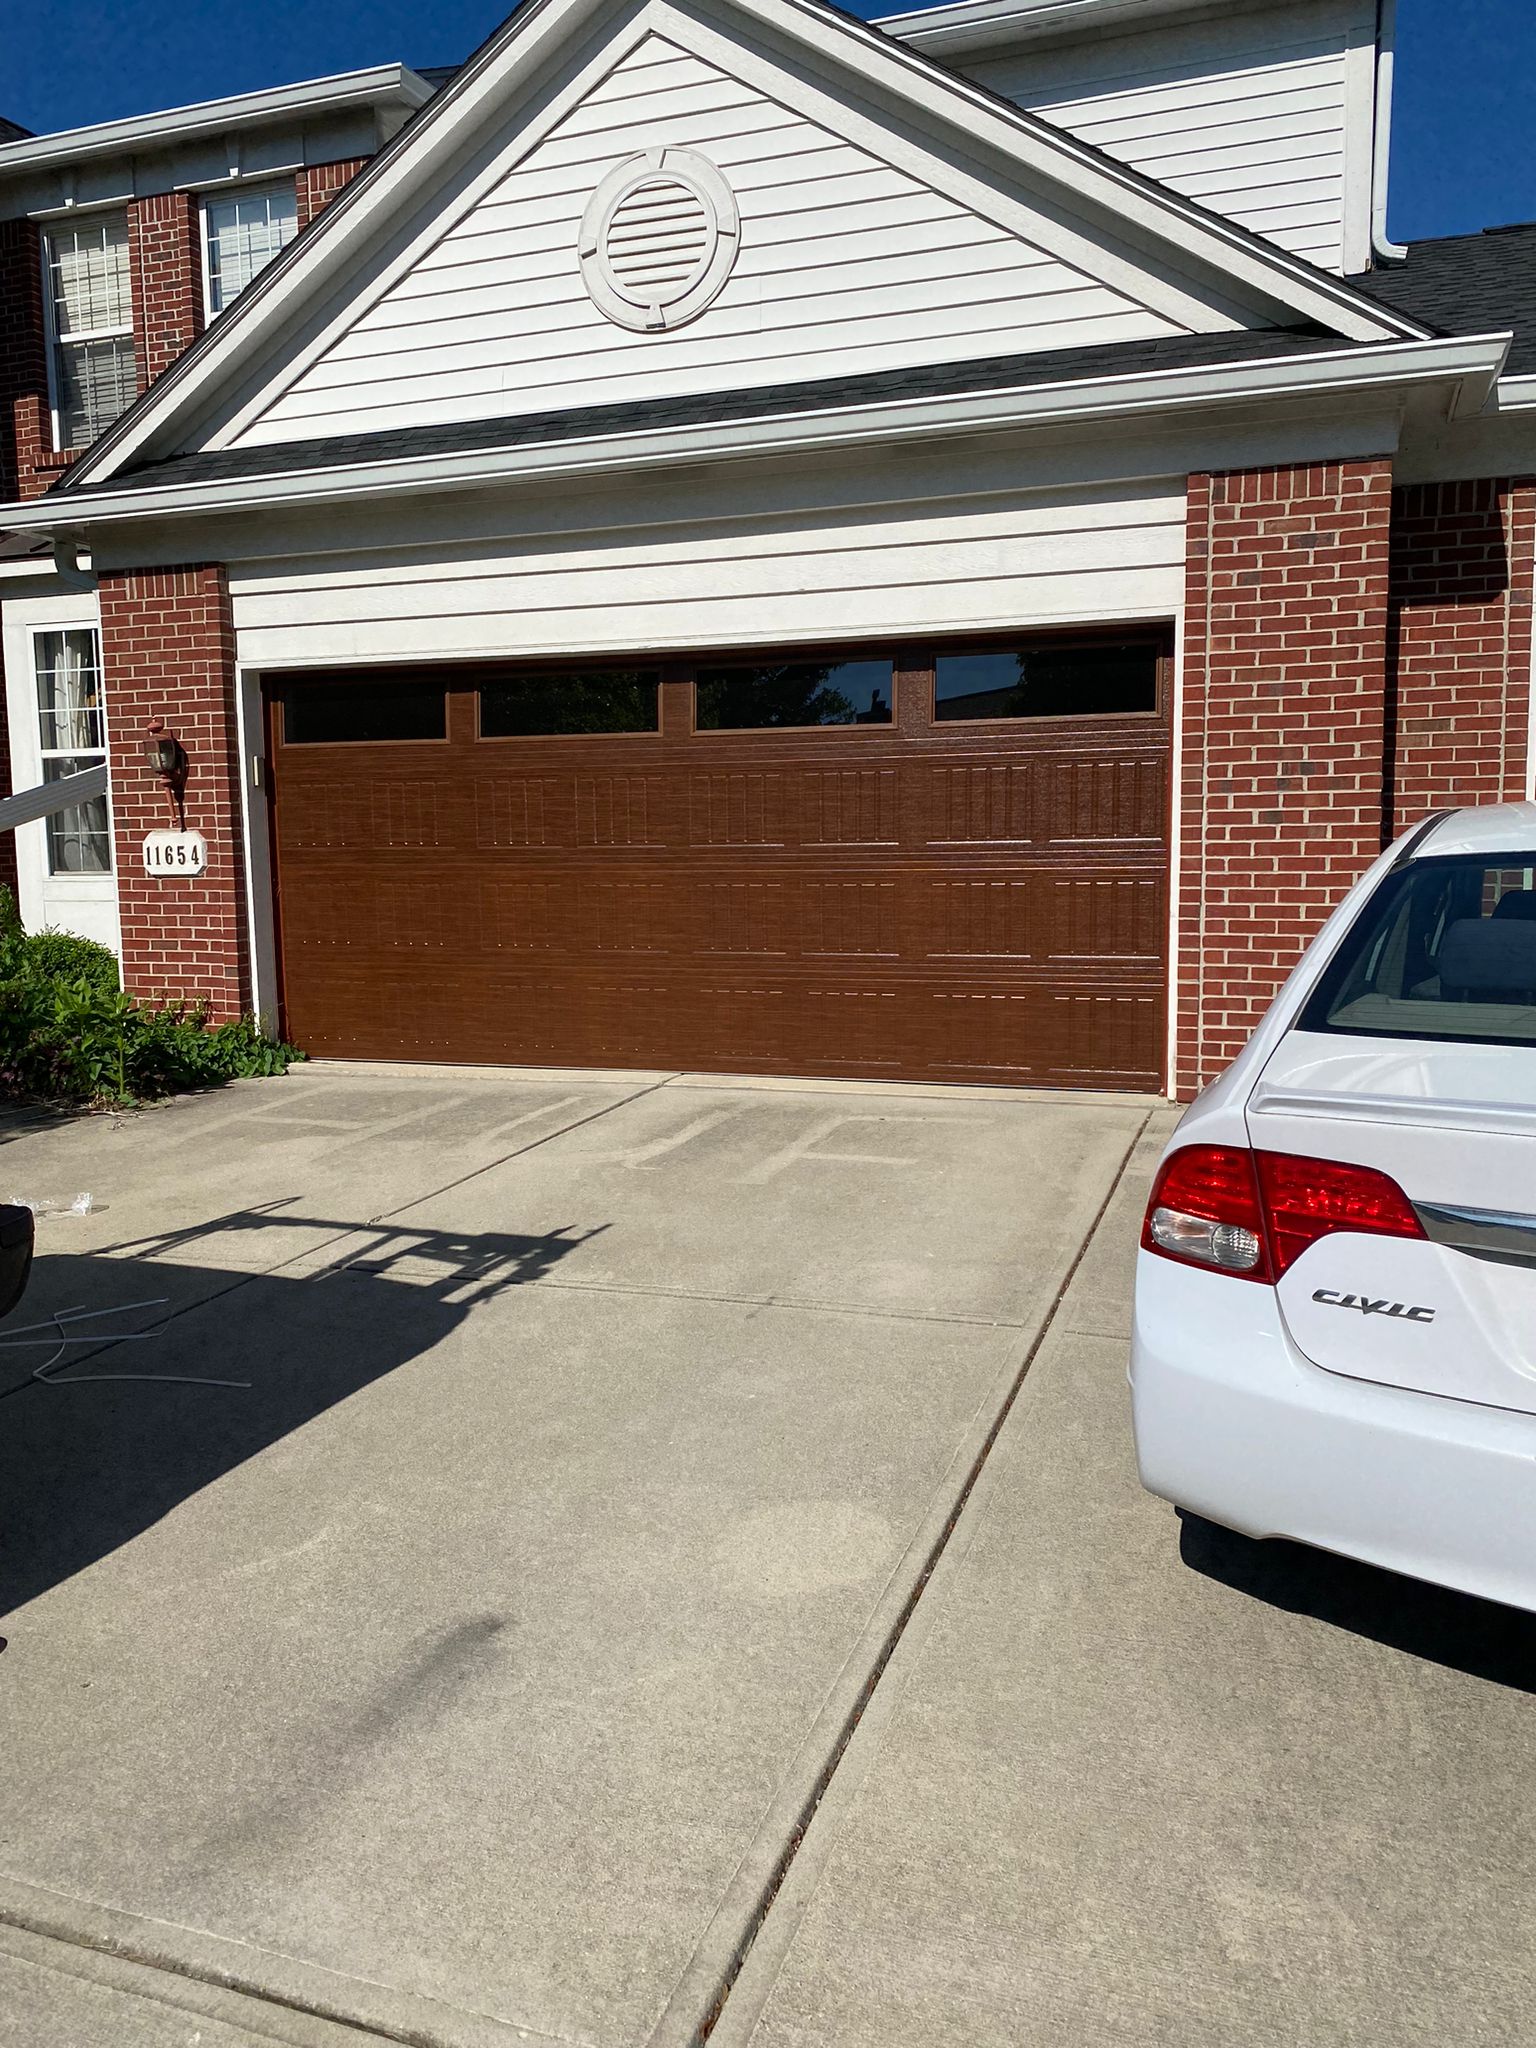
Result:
{"points": [[86, 1466], [1480, 1637]]}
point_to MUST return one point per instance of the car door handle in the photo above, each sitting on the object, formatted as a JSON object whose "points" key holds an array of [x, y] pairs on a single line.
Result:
{"points": [[1483, 1233]]}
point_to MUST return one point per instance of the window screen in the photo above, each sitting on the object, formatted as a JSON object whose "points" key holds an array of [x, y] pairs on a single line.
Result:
{"points": [[1047, 679], [71, 730], [325, 713], [95, 373], [793, 693], [243, 231], [1445, 949], [548, 702]]}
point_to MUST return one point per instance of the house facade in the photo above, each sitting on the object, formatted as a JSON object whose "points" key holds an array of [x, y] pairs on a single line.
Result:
{"points": [[725, 536]]}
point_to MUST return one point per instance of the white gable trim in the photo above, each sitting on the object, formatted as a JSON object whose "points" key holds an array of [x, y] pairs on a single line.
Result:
{"points": [[971, 144], [557, 103], [1212, 244], [1459, 374], [1189, 302]]}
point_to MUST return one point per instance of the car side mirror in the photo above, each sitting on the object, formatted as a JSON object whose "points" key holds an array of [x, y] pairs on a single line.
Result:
{"points": [[18, 1227]]}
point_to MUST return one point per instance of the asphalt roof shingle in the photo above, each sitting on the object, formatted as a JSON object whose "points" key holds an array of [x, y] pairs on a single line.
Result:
{"points": [[1467, 284], [460, 437]]}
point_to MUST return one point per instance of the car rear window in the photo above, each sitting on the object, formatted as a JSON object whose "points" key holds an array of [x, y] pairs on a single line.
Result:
{"points": [[1445, 949]]}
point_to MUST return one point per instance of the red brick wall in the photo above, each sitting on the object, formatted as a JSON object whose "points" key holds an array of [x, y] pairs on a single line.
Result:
{"points": [[28, 463], [1285, 643], [166, 264], [168, 650], [166, 260], [318, 184], [1460, 644]]}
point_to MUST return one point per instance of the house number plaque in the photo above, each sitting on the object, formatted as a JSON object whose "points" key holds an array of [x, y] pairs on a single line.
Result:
{"points": [[175, 853]]}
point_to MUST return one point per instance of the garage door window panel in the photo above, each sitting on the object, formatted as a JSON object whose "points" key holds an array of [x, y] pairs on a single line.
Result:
{"points": [[382, 713], [566, 703], [793, 695], [1048, 679]]}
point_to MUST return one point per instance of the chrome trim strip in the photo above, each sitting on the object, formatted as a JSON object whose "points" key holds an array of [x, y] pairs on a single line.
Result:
{"points": [[1484, 1233]]}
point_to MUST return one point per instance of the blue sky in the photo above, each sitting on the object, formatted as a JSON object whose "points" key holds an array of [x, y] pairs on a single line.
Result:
{"points": [[1462, 151]]}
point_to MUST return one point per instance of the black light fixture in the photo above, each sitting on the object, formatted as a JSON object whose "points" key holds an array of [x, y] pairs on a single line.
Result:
{"points": [[167, 757]]}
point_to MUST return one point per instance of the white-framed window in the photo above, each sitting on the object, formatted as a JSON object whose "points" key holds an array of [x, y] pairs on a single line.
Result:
{"points": [[90, 325], [72, 735], [242, 232]]}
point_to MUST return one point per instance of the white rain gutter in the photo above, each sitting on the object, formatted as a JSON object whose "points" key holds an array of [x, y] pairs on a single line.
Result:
{"points": [[1470, 365], [379, 83], [970, 26]]}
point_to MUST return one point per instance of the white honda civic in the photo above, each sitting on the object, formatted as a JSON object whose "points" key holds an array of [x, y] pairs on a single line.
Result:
{"points": [[1335, 1333]]}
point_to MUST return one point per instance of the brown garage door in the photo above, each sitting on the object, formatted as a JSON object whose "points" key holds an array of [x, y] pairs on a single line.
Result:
{"points": [[942, 864]]}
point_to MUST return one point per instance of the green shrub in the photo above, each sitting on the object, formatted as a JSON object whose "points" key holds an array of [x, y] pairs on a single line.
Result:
{"points": [[60, 956], [68, 1033]]}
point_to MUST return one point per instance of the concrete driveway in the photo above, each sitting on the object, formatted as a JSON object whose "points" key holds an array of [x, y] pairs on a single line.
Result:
{"points": [[464, 1670], [676, 1566]]}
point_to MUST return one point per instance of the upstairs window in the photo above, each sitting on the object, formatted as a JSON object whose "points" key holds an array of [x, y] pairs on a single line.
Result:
{"points": [[90, 321], [242, 232]]}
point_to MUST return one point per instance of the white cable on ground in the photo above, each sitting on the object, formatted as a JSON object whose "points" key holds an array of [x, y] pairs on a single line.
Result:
{"points": [[21, 1338]]}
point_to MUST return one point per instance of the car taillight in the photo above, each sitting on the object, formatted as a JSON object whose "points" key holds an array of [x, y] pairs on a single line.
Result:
{"points": [[1253, 1214], [1205, 1209], [1305, 1199]]}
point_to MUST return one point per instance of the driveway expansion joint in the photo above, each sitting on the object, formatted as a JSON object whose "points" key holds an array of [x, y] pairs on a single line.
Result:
{"points": [[674, 2026]]}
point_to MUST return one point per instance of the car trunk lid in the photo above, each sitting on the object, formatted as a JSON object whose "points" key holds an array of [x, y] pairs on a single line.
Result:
{"points": [[1451, 1313]]}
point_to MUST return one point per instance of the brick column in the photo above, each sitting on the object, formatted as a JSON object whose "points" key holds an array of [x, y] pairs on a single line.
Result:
{"points": [[317, 185], [28, 462], [168, 651], [1283, 778], [166, 265], [1460, 644]]}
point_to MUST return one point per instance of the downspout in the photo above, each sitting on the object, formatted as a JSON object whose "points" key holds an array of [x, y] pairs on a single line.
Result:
{"points": [[1382, 249]]}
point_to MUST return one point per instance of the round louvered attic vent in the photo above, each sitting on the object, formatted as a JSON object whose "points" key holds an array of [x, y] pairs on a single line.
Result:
{"points": [[658, 239]]}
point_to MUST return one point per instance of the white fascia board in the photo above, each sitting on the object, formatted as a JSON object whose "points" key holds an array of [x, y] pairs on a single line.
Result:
{"points": [[1517, 394], [542, 39], [975, 25], [1465, 369], [379, 84]]}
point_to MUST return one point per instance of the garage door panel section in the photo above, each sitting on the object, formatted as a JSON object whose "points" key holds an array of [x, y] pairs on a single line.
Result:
{"points": [[982, 903]]}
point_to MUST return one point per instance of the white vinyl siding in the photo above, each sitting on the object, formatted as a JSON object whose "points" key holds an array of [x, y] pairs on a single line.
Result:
{"points": [[87, 283], [954, 564], [1250, 113], [846, 265], [242, 232]]}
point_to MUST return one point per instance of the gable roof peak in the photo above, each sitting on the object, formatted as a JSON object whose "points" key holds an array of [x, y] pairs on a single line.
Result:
{"points": [[1107, 220]]}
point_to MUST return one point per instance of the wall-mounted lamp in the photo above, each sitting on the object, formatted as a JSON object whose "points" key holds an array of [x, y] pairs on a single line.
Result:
{"points": [[167, 757]]}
